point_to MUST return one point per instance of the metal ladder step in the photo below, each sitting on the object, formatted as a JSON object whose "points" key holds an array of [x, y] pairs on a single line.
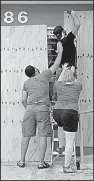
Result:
{"points": [[63, 153]]}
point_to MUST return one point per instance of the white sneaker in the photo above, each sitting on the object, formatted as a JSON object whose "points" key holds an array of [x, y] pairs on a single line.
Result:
{"points": [[69, 170]]}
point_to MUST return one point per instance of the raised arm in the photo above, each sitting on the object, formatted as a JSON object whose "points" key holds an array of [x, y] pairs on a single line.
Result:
{"points": [[63, 72], [76, 22], [56, 64]]}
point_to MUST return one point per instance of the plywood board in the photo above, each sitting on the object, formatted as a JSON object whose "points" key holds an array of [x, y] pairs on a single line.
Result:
{"points": [[85, 69], [20, 46]]}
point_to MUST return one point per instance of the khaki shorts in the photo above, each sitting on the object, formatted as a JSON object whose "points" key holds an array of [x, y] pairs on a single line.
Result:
{"points": [[36, 116]]}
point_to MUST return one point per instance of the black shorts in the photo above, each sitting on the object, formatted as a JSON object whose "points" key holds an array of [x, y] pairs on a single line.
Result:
{"points": [[66, 118]]}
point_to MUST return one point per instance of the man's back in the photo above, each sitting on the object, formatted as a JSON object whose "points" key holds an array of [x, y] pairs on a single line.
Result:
{"points": [[37, 88], [69, 50]]}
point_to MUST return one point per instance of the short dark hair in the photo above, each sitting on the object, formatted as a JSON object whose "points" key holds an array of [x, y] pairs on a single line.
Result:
{"points": [[30, 71], [58, 30]]}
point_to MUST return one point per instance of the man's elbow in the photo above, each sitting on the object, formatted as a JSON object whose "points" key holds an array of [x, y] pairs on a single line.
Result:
{"points": [[76, 29], [78, 26]]}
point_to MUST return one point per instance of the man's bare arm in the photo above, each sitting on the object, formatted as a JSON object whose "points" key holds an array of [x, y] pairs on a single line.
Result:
{"points": [[64, 68], [76, 22], [56, 64]]}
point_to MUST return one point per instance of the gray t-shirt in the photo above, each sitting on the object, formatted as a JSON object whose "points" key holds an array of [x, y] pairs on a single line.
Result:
{"points": [[68, 95], [37, 88]]}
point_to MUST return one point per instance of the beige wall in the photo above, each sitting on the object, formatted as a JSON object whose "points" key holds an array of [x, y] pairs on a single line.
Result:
{"points": [[50, 15]]}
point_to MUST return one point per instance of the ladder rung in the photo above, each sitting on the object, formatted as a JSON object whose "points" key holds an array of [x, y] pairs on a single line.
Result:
{"points": [[55, 139], [64, 153], [56, 153]]}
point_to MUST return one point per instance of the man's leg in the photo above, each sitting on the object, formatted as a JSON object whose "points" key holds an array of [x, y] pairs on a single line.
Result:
{"points": [[43, 146], [44, 130], [28, 131], [24, 147]]}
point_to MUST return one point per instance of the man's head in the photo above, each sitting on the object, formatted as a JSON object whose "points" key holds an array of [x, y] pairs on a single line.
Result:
{"points": [[31, 71], [58, 31]]}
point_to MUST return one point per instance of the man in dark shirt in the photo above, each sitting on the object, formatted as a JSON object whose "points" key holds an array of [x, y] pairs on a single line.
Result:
{"points": [[69, 54]]}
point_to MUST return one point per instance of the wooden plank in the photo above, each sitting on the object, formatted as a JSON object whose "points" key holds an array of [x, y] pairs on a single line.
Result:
{"points": [[21, 46], [84, 135], [88, 130], [90, 60], [86, 64]]}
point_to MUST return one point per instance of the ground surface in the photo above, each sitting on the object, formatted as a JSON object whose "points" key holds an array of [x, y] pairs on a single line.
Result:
{"points": [[9, 171]]}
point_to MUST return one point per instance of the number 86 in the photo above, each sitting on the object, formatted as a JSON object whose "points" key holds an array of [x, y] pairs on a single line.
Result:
{"points": [[22, 18]]}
